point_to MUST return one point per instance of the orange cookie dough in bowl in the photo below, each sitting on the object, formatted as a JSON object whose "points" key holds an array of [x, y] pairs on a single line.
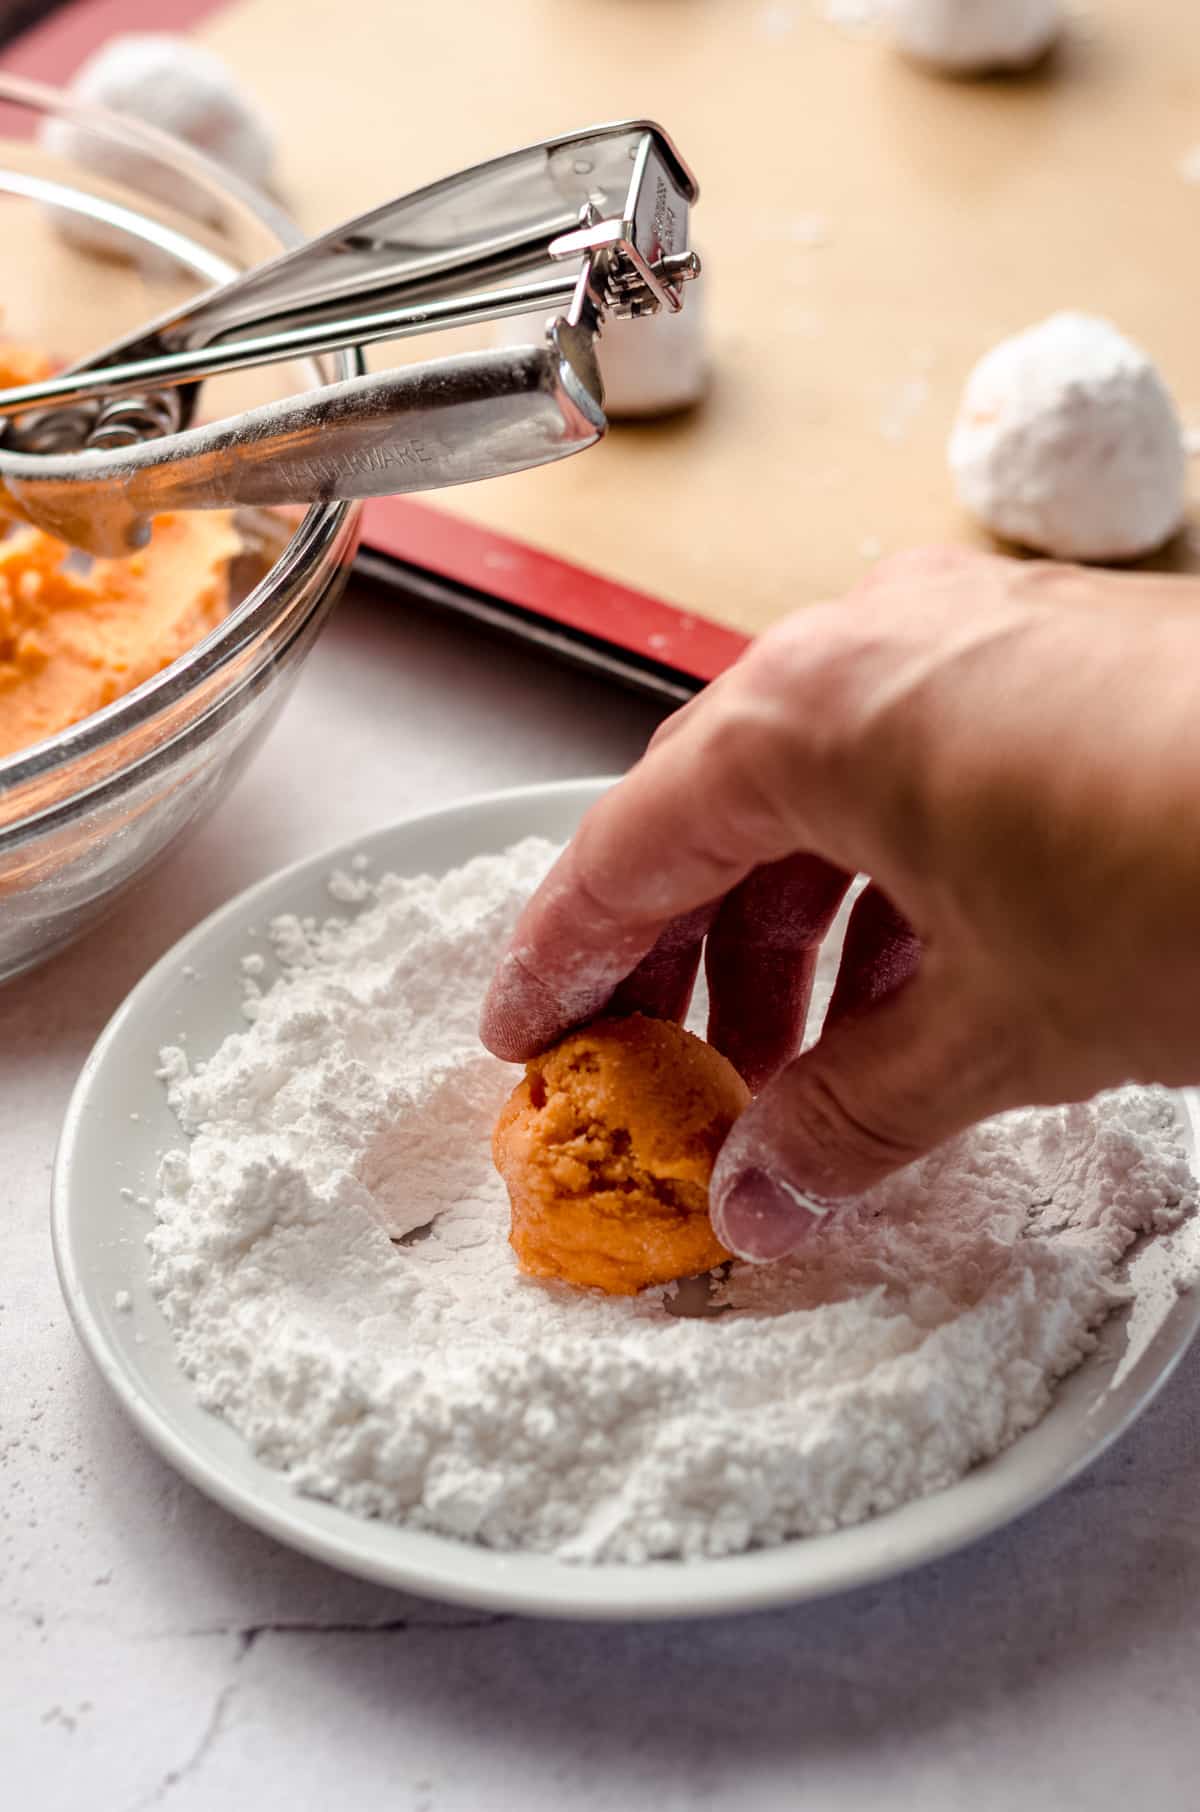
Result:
{"points": [[607, 1147], [132, 691], [73, 639], [75, 634]]}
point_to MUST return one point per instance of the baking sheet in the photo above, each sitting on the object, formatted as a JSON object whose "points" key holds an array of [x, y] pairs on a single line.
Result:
{"points": [[868, 229]]}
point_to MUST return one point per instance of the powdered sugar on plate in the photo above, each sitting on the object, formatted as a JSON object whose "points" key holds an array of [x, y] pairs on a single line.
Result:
{"points": [[428, 1383]]}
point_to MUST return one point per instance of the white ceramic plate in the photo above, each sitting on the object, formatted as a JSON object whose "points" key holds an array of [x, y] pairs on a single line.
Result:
{"points": [[118, 1122]]}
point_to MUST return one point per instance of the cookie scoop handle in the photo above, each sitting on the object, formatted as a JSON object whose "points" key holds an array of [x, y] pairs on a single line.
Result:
{"points": [[419, 428]]}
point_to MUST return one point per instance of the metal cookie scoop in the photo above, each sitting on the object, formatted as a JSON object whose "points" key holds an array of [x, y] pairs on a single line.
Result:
{"points": [[587, 225]]}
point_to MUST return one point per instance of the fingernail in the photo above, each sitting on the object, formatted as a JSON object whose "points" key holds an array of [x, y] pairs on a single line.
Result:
{"points": [[761, 1218]]}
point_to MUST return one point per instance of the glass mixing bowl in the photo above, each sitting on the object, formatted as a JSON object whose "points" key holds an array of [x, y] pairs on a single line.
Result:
{"points": [[85, 812]]}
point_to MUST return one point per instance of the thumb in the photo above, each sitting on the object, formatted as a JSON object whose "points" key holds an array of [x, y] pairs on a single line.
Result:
{"points": [[880, 1089]]}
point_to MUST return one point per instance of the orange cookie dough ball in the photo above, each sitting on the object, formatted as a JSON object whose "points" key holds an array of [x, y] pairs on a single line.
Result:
{"points": [[607, 1147]]}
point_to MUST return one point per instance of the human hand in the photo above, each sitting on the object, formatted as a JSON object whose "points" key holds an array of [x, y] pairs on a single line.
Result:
{"points": [[1011, 751]]}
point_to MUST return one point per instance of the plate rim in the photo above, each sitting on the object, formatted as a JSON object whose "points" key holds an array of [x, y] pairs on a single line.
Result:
{"points": [[804, 1569]]}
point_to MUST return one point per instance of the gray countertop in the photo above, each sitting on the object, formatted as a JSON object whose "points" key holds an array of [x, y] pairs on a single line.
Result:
{"points": [[154, 1652]]}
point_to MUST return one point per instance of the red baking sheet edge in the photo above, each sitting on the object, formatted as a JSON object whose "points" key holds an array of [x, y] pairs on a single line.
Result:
{"points": [[571, 596]]}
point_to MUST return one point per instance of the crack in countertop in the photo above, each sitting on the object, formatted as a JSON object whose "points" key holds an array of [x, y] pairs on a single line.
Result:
{"points": [[247, 1637]]}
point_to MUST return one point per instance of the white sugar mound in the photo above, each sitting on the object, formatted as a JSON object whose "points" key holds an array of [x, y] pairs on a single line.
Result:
{"points": [[1067, 440], [969, 36], [430, 1384], [164, 81], [649, 364]]}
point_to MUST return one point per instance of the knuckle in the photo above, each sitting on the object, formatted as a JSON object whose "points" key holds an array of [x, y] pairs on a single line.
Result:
{"points": [[916, 565], [845, 1137], [817, 651], [597, 908], [746, 744], [1050, 581], [671, 726], [663, 733], [830, 681]]}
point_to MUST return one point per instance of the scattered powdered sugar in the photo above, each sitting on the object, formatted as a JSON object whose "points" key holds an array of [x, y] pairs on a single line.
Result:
{"points": [[427, 1382]]}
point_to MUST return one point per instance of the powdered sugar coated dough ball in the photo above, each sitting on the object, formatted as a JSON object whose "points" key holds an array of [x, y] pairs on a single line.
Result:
{"points": [[167, 82], [1067, 440], [970, 35], [650, 365], [654, 364]]}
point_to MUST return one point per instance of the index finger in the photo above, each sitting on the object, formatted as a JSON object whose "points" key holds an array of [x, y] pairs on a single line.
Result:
{"points": [[686, 824]]}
